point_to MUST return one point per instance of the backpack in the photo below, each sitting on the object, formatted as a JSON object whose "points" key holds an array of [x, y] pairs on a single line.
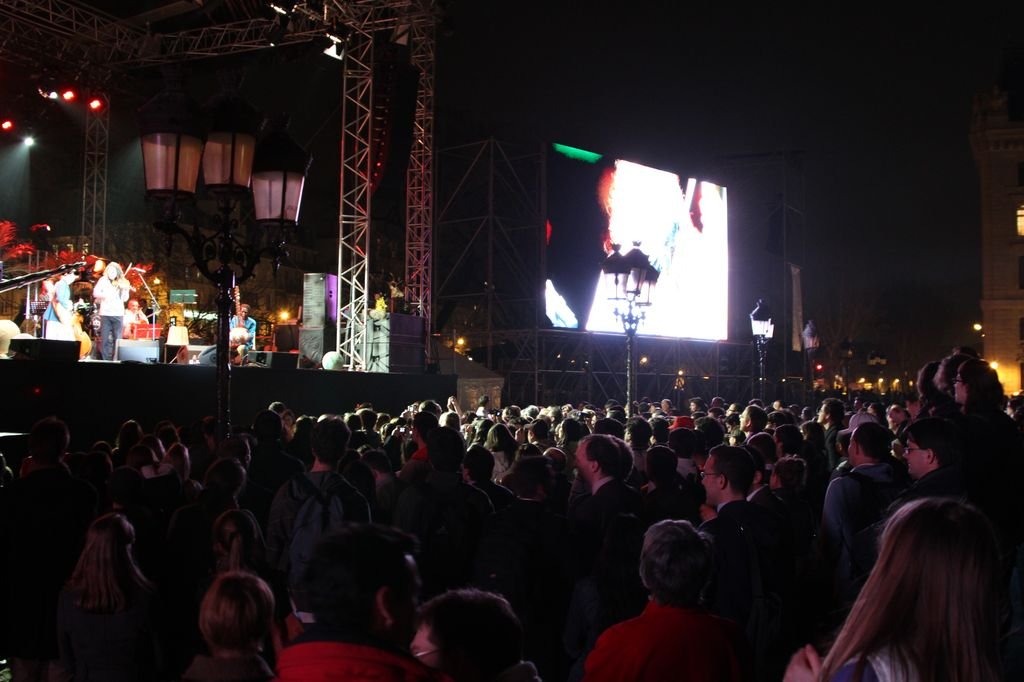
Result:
{"points": [[876, 497], [449, 540], [319, 512]]}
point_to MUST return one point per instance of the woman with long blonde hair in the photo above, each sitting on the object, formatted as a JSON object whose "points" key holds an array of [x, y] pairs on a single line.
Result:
{"points": [[106, 617], [929, 609]]}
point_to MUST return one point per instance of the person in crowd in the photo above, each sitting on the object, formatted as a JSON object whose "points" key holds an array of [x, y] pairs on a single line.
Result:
{"points": [[387, 486], [446, 514], [128, 436], [753, 420], [929, 609], [236, 620], [611, 594], [502, 445], [107, 617], [600, 464], [44, 515], [831, 417], [300, 506], [934, 454], [478, 469], [539, 433], [472, 636], [417, 466], [299, 446], [763, 452], [747, 537], [674, 638], [271, 466], [523, 557], [994, 462], [854, 502], [638, 437], [667, 495], [362, 581]]}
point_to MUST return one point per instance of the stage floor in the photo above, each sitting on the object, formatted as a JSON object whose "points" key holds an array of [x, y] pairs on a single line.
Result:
{"points": [[94, 398]]}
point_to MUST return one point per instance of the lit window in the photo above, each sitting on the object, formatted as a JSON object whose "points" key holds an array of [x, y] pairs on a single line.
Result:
{"points": [[1020, 220]]}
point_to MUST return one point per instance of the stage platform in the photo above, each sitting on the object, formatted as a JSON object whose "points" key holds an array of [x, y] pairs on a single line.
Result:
{"points": [[94, 398]]}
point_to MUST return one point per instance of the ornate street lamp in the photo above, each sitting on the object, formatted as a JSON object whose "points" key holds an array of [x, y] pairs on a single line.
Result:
{"points": [[763, 330], [632, 277], [173, 133]]}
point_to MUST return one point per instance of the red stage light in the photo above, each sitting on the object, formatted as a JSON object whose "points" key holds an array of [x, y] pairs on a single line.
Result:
{"points": [[95, 104], [8, 124], [68, 95]]}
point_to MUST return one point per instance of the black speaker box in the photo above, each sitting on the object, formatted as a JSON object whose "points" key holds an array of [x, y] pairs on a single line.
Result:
{"points": [[45, 349], [286, 337], [275, 360]]}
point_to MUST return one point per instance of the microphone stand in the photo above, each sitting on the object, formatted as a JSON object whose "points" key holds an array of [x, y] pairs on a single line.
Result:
{"points": [[152, 298]]}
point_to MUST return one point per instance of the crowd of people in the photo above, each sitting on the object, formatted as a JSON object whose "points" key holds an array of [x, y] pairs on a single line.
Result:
{"points": [[705, 541]]}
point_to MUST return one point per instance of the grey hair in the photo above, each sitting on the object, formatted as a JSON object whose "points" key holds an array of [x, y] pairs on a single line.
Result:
{"points": [[676, 563]]}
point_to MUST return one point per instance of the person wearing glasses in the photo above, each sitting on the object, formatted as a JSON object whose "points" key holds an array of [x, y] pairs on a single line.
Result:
{"points": [[933, 455]]}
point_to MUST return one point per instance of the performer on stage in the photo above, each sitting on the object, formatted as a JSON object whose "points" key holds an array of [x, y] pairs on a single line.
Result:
{"points": [[110, 293], [243, 321], [133, 316], [57, 318]]}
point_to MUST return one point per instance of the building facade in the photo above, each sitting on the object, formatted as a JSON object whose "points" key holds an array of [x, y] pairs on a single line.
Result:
{"points": [[997, 140]]}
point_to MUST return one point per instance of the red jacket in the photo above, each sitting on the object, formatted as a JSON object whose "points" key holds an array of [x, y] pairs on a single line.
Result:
{"points": [[667, 643], [337, 661]]}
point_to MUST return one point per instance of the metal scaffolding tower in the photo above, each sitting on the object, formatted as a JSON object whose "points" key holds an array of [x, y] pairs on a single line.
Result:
{"points": [[354, 214], [419, 205], [94, 176]]}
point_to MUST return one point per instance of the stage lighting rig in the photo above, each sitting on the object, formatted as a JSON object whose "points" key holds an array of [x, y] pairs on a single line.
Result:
{"points": [[7, 125]]}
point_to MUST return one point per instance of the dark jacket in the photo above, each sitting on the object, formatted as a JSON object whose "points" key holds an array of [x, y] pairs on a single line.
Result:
{"points": [[730, 592], [242, 669], [945, 481], [448, 517], [43, 520], [499, 495], [271, 466], [289, 499], [110, 646], [590, 516]]}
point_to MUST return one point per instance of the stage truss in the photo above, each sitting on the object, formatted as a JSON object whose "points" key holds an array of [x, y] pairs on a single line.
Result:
{"points": [[56, 33]]}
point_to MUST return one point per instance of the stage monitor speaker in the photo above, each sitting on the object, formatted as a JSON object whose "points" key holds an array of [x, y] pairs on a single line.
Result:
{"points": [[138, 350], [275, 360], [45, 349], [286, 337], [314, 342], [397, 344], [319, 299]]}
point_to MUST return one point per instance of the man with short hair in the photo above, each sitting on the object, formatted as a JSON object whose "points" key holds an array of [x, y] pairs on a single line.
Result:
{"points": [[753, 420], [363, 582], [600, 462], [325, 484], [934, 453], [271, 467], [477, 470], [674, 638], [445, 513], [855, 501], [831, 417], [736, 525]]}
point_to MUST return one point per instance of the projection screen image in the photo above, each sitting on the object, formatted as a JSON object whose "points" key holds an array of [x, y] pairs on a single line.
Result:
{"points": [[595, 202]]}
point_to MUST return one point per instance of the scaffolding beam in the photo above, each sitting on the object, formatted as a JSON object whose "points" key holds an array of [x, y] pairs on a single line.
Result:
{"points": [[419, 208], [94, 176], [354, 209]]}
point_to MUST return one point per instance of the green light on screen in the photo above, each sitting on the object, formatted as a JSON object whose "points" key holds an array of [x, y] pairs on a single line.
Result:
{"points": [[574, 153]]}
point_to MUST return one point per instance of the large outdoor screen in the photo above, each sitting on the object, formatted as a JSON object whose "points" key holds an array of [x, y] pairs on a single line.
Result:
{"points": [[595, 202]]}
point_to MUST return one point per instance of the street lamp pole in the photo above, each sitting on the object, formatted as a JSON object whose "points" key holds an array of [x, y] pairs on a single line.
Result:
{"points": [[174, 134], [763, 330], [632, 277]]}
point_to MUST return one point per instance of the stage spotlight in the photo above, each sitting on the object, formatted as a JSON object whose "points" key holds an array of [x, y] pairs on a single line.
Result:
{"points": [[29, 141], [7, 124], [95, 104], [68, 95]]}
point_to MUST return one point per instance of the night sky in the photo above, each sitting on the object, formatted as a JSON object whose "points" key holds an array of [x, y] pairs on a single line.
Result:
{"points": [[877, 103]]}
